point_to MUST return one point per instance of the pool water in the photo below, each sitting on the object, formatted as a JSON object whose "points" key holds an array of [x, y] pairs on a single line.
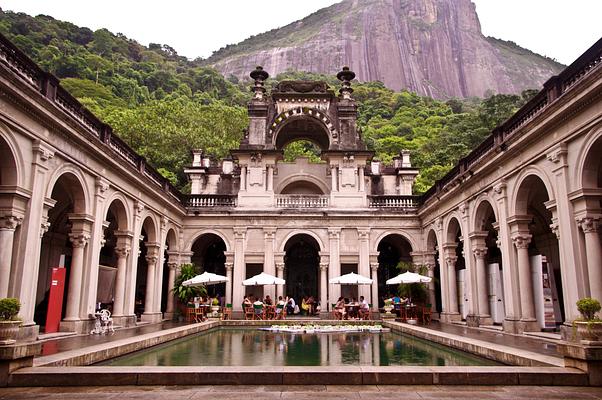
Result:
{"points": [[252, 347]]}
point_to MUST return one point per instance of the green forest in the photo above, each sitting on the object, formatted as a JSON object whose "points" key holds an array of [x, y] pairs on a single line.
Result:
{"points": [[163, 104]]}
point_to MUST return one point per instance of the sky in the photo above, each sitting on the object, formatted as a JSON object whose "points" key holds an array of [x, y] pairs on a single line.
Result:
{"points": [[560, 29]]}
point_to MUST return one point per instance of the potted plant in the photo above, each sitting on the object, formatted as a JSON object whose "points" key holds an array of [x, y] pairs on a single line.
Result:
{"points": [[186, 293], [9, 322], [589, 327], [215, 305], [388, 308]]}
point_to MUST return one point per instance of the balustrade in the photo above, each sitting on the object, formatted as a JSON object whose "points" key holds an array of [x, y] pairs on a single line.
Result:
{"points": [[301, 201]]}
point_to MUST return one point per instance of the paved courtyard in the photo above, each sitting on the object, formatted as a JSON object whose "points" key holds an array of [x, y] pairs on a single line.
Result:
{"points": [[305, 392]]}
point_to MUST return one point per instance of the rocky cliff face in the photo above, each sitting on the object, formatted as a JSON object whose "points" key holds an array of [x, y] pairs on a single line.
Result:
{"points": [[432, 47]]}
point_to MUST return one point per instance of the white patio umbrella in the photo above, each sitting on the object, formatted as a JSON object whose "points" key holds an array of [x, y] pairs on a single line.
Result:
{"points": [[263, 279], [206, 278], [351, 279], [408, 277]]}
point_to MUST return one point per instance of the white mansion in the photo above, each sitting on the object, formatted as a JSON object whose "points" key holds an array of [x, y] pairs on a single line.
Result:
{"points": [[510, 234]]}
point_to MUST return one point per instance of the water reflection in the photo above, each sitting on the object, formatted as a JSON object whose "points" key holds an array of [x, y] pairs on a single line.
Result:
{"points": [[244, 347]]}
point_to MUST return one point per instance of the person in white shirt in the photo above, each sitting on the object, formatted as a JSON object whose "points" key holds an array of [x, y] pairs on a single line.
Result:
{"points": [[364, 308], [290, 306]]}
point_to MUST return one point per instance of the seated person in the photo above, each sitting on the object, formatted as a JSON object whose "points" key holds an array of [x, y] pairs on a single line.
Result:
{"points": [[247, 302], [280, 305], [364, 308], [305, 307], [290, 306], [339, 309], [268, 300], [312, 305], [258, 307]]}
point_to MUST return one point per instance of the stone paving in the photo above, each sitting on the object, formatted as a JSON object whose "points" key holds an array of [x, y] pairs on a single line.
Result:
{"points": [[304, 392]]}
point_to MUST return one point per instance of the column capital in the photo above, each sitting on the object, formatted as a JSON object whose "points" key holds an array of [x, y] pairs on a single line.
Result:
{"points": [[522, 240], [479, 252], [102, 185], [374, 266], [151, 259], [363, 233], [334, 233], [239, 232], [79, 240], [323, 267], [451, 260], [269, 232], [172, 265], [588, 224], [122, 252], [279, 266], [9, 222], [229, 266], [44, 226]]}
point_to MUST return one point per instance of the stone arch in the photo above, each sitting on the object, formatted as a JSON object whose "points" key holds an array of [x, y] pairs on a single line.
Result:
{"points": [[198, 234], [403, 234], [589, 166], [300, 232], [301, 271], [76, 179], [302, 177], [518, 198], [11, 162], [431, 240], [483, 204], [171, 239], [149, 224], [122, 209], [452, 228], [323, 136]]}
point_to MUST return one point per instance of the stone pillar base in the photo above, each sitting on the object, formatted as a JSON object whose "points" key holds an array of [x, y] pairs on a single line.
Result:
{"points": [[520, 326], [124, 321], [28, 333], [473, 321], [584, 357], [16, 356], [448, 318], [78, 326], [485, 320], [152, 317]]}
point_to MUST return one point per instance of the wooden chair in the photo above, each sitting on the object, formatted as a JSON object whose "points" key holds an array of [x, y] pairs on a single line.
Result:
{"points": [[258, 312], [249, 314], [190, 313], [280, 314], [270, 312], [199, 314], [227, 312], [426, 314], [366, 314]]}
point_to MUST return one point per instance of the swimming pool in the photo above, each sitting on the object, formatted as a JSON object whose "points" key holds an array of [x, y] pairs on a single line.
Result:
{"points": [[253, 347]]}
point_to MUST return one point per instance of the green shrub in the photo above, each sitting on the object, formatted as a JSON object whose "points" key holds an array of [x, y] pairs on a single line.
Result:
{"points": [[186, 293], [9, 308], [588, 308]]}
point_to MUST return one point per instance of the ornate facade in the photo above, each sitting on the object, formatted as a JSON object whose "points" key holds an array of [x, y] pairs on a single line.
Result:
{"points": [[510, 234]]}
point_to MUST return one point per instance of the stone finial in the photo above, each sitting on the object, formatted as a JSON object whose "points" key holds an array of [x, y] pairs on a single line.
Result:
{"points": [[346, 76], [259, 76]]}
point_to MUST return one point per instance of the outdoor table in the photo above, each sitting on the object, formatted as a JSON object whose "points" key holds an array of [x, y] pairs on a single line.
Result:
{"points": [[352, 309]]}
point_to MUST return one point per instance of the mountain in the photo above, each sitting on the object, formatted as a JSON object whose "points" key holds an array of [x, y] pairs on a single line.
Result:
{"points": [[432, 47]]}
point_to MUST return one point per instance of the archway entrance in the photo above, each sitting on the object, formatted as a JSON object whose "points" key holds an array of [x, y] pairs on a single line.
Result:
{"points": [[543, 251], [57, 248], [301, 268], [392, 250], [208, 255]]}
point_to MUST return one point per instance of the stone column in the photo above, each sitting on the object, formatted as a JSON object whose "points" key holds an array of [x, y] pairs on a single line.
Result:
{"points": [[521, 242], [152, 256], [270, 180], [374, 301], [123, 249], [171, 301], [333, 178], [269, 234], [334, 270], [8, 224], [279, 274], [132, 270], [363, 267], [79, 240], [239, 267], [453, 286], [243, 178], [361, 186], [324, 288], [480, 253], [229, 267], [593, 249]]}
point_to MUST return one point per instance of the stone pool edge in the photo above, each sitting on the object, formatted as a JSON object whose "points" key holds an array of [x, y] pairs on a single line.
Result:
{"points": [[532, 369]]}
